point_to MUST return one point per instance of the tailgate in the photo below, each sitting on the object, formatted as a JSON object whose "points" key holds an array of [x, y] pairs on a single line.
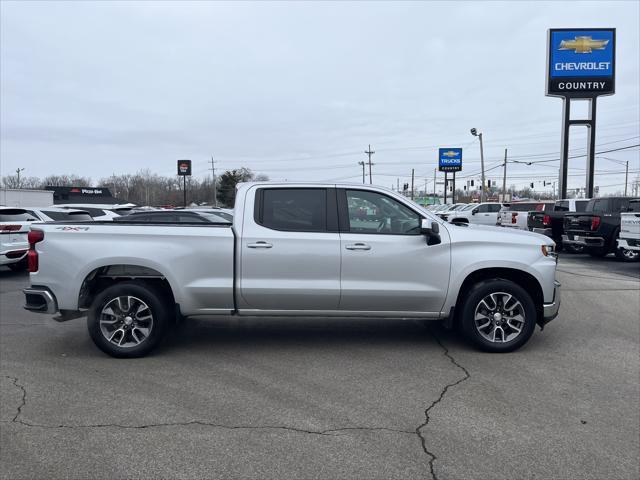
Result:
{"points": [[535, 220], [630, 225], [577, 222]]}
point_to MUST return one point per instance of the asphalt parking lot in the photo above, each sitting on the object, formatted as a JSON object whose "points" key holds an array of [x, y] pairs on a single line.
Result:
{"points": [[308, 398]]}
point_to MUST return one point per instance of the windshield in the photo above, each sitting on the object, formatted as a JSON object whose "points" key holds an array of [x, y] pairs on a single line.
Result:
{"points": [[471, 206]]}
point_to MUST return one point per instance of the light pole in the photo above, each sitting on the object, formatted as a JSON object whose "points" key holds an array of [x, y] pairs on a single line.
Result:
{"points": [[475, 133], [18, 170], [363, 164]]}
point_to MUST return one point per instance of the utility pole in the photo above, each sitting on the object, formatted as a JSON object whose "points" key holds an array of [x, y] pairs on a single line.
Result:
{"points": [[626, 178], [18, 170], [435, 170], [412, 177], [482, 168], [397, 184], [363, 164], [370, 152], [213, 174], [504, 178]]}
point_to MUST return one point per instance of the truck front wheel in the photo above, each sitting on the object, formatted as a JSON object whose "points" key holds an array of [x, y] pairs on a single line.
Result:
{"points": [[498, 315], [128, 319]]}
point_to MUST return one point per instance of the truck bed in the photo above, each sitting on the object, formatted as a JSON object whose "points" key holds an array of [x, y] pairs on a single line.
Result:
{"points": [[78, 251]]}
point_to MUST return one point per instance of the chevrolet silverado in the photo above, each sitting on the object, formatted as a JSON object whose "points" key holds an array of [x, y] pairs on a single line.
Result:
{"points": [[299, 250]]}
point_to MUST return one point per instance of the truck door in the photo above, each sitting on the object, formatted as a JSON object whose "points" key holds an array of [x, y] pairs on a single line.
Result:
{"points": [[387, 265], [290, 250]]}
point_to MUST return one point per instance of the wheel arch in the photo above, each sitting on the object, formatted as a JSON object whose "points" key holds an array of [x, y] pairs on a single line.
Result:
{"points": [[519, 277], [107, 275]]}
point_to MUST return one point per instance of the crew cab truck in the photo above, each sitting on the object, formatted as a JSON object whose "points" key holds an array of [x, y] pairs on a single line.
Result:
{"points": [[598, 227], [295, 250], [551, 222], [629, 237]]}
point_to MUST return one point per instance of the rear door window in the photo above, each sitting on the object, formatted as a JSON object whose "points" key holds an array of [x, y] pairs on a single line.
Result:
{"points": [[293, 209], [634, 206]]}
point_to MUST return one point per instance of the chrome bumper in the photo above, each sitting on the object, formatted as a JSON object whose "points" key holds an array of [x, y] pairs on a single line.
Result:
{"points": [[40, 300], [550, 310], [623, 243], [584, 241]]}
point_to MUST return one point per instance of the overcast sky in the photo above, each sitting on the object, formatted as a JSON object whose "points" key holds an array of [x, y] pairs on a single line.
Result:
{"points": [[298, 90]]}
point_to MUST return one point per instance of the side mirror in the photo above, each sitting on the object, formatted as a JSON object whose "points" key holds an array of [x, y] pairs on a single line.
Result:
{"points": [[431, 230], [474, 211], [429, 227]]}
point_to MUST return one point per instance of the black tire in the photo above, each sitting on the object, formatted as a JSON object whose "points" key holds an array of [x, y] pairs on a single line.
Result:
{"points": [[597, 251], [627, 255], [473, 299], [144, 294]]}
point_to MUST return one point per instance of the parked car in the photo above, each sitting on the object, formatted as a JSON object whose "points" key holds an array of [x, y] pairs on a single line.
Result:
{"points": [[551, 223], [294, 249], [172, 216], [629, 237], [14, 227], [101, 212], [597, 228], [57, 214], [476, 213], [451, 208], [514, 215], [220, 212]]}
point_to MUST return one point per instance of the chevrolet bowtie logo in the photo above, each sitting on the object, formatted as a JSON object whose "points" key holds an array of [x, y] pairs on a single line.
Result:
{"points": [[450, 153], [583, 44]]}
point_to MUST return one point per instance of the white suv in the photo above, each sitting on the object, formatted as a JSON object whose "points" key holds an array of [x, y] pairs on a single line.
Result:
{"points": [[478, 214]]}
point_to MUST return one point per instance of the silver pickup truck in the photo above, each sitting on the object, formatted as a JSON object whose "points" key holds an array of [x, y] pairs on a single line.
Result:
{"points": [[295, 249]]}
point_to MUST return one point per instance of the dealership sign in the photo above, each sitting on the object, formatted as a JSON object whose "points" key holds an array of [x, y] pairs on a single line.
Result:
{"points": [[184, 167], [581, 62], [450, 159]]}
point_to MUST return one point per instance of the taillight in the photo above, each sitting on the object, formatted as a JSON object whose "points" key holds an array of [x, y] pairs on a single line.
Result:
{"points": [[10, 228], [595, 223], [546, 220], [34, 236], [514, 217]]}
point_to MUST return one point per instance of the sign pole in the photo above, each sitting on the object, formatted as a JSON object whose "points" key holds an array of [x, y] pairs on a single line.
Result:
{"points": [[184, 189], [446, 187], [591, 148], [453, 191]]}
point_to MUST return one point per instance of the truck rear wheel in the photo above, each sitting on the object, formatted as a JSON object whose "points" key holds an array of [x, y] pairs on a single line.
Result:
{"points": [[498, 315], [128, 319], [627, 255]]}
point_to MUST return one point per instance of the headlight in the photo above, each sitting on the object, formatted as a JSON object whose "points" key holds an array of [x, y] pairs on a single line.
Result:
{"points": [[549, 251]]}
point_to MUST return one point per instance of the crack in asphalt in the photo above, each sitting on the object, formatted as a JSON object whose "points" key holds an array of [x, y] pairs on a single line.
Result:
{"points": [[443, 392], [329, 431]]}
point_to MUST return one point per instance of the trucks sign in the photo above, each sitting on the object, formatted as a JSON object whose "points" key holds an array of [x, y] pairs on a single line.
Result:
{"points": [[581, 62], [450, 159], [184, 168]]}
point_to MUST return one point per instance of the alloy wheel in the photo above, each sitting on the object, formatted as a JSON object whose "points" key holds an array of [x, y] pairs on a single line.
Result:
{"points": [[126, 321], [499, 317]]}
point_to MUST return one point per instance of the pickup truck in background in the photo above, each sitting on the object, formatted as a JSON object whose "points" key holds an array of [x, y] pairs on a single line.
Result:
{"points": [[551, 223], [295, 250], [629, 237], [514, 215], [598, 227]]}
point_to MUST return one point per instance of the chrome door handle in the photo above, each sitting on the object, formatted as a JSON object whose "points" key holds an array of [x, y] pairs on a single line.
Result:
{"points": [[358, 246], [259, 245]]}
